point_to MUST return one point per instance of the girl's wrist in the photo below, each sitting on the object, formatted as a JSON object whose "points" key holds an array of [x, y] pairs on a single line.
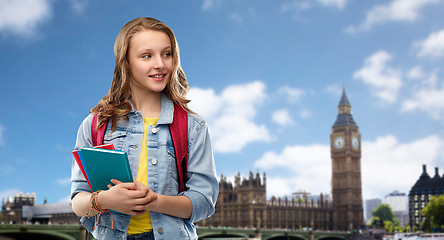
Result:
{"points": [[101, 199]]}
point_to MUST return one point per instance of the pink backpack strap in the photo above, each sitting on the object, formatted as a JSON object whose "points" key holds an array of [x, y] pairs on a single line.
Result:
{"points": [[97, 135], [179, 134]]}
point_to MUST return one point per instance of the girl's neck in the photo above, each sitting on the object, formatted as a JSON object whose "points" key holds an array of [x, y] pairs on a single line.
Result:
{"points": [[148, 104]]}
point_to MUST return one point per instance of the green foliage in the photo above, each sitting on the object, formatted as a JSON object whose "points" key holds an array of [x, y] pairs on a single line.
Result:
{"points": [[375, 221], [389, 226], [434, 214], [383, 216], [384, 212]]}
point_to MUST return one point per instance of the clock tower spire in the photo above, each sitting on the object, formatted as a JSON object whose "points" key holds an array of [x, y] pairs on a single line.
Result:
{"points": [[345, 146]]}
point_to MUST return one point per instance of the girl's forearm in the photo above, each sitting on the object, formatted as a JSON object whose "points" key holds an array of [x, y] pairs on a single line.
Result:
{"points": [[81, 204], [177, 206]]}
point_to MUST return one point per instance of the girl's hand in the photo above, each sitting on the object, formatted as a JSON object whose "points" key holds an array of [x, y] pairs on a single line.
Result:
{"points": [[129, 198]]}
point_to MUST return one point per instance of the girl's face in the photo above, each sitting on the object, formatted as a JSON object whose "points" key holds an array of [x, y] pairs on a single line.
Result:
{"points": [[150, 61]]}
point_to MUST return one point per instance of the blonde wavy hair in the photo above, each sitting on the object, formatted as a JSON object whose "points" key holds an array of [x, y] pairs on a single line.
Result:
{"points": [[116, 103]]}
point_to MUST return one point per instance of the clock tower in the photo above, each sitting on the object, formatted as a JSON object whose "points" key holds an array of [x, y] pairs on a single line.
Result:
{"points": [[345, 145]]}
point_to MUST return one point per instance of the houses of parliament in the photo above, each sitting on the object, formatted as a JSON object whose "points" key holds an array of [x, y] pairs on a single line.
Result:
{"points": [[244, 204]]}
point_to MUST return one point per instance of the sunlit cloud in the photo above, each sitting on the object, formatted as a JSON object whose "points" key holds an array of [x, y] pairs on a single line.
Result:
{"points": [[293, 95], [395, 11], [340, 4], [432, 46], [22, 18], [231, 114], [384, 81], [282, 117]]}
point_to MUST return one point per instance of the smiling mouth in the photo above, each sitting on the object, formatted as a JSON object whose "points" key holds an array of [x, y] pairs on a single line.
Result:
{"points": [[157, 76]]}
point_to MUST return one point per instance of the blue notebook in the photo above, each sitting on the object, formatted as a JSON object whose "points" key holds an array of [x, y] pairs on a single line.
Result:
{"points": [[102, 165]]}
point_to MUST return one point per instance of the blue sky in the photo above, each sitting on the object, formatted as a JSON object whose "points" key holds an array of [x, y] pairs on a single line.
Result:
{"points": [[266, 75]]}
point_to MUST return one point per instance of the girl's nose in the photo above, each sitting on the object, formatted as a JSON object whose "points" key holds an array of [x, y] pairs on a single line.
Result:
{"points": [[158, 62]]}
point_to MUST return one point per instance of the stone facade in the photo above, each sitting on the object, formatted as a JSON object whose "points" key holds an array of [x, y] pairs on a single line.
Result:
{"points": [[345, 140], [21, 209], [244, 204], [422, 192], [12, 208]]}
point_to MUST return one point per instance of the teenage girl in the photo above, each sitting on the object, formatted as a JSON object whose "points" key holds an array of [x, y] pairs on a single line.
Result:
{"points": [[148, 79]]}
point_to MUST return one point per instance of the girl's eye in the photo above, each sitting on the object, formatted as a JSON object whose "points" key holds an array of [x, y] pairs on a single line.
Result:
{"points": [[146, 56], [167, 54]]}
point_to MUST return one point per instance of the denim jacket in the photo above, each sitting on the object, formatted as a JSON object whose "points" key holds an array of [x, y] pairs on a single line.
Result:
{"points": [[162, 172]]}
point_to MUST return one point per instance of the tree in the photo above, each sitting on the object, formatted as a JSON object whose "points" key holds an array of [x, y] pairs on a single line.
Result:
{"points": [[433, 214], [382, 214], [389, 226]]}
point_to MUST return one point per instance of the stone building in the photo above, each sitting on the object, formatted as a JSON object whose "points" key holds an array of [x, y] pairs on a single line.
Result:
{"points": [[422, 192], [21, 209], [345, 146], [12, 208], [244, 204], [399, 205]]}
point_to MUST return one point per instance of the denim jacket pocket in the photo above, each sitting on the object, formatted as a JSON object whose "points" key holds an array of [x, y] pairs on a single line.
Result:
{"points": [[116, 138]]}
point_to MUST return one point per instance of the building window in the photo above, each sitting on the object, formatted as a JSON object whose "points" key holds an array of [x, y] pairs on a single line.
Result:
{"points": [[416, 198]]}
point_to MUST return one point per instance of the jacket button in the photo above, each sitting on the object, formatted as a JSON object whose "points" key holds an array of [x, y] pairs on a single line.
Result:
{"points": [[154, 161], [160, 230], [154, 130]]}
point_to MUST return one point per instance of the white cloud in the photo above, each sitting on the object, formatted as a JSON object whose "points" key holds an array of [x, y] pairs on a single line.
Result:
{"points": [[230, 115], [2, 139], [340, 4], [79, 5], [295, 6], [300, 161], [282, 117], [23, 17], [64, 181], [305, 114], [433, 46], [335, 89], [395, 11], [209, 4], [293, 95], [237, 18], [428, 99], [387, 165], [416, 73], [384, 81]]}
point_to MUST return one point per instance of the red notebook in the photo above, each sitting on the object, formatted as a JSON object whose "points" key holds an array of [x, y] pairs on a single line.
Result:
{"points": [[79, 159]]}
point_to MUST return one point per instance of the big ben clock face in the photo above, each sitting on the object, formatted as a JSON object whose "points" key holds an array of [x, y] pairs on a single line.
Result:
{"points": [[355, 142], [339, 142]]}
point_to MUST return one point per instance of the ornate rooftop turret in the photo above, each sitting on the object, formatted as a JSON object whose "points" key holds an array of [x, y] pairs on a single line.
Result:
{"points": [[345, 117]]}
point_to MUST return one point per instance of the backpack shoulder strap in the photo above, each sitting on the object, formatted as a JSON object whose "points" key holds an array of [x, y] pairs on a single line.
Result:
{"points": [[179, 135], [97, 135]]}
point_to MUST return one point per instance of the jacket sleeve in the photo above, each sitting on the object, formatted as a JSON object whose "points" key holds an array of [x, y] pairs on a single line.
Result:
{"points": [[202, 184], [78, 181]]}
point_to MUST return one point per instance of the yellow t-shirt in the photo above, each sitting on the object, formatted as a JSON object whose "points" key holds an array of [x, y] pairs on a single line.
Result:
{"points": [[142, 223]]}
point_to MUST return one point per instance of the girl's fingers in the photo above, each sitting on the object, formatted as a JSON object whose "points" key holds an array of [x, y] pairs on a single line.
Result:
{"points": [[115, 181]]}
